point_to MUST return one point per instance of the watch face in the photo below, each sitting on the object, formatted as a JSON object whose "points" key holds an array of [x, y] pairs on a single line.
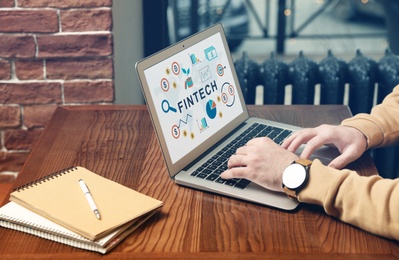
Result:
{"points": [[294, 176]]}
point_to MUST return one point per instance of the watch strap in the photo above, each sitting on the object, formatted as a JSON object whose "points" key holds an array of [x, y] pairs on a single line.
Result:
{"points": [[305, 163], [290, 193]]}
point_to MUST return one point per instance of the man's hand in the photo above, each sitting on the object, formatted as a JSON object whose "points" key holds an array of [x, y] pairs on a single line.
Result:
{"points": [[349, 141], [261, 161]]}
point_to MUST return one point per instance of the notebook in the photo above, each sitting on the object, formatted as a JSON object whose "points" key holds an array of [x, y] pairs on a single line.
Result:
{"points": [[197, 108], [16, 217], [59, 198]]}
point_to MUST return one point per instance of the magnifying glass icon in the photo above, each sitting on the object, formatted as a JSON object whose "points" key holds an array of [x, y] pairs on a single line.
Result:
{"points": [[166, 107]]}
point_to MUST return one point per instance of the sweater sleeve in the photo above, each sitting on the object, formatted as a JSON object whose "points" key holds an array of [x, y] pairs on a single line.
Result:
{"points": [[370, 203], [381, 126]]}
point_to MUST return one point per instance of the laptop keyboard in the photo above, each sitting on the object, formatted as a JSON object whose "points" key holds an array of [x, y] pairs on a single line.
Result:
{"points": [[212, 169]]}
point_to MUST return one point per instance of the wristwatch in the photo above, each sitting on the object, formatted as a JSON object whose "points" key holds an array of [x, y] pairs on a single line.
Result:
{"points": [[295, 177]]}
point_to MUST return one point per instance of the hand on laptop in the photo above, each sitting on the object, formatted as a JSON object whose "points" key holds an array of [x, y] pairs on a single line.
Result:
{"points": [[261, 161], [349, 141]]}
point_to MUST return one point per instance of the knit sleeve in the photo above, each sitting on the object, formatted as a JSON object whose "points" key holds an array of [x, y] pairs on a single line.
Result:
{"points": [[370, 203], [381, 126]]}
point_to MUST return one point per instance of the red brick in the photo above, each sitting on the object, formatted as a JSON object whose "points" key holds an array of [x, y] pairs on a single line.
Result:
{"points": [[43, 21], [12, 161], [7, 3], [89, 91], [29, 69], [17, 46], [10, 116], [79, 69], [80, 20], [5, 70], [21, 139], [38, 116], [65, 4], [30, 93], [75, 45]]}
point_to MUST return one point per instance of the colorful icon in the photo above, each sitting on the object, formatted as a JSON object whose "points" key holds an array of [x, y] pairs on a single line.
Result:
{"points": [[231, 90], [194, 59], [186, 71], [211, 109], [225, 98], [166, 107], [189, 81], [220, 69], [175, 132], [175, 68], [202, 124], [210, 53], [165, 85], [228, 94]]}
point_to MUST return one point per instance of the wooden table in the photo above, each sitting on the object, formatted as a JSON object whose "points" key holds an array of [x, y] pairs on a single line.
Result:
{"points": [[119, 143]]}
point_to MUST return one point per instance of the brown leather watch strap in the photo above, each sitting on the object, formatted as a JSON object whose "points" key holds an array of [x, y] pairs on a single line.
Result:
{"points": [[305, 163]]}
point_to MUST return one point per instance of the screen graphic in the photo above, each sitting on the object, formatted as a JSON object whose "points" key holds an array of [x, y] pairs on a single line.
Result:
{"points": [[194, 94]]}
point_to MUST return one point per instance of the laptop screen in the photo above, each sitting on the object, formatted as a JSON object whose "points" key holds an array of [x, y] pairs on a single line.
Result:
{"points": [[194, 95]]}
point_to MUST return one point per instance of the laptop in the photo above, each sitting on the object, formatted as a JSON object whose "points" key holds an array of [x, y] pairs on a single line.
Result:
{"points": [[198, 112]]}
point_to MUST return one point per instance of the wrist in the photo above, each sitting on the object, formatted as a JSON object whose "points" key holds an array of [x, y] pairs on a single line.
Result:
{"points": [[287, 162], [358, 132], [295, 177]]}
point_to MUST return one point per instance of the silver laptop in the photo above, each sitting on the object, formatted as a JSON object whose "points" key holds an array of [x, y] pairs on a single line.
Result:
{"points": [[198, 112]]}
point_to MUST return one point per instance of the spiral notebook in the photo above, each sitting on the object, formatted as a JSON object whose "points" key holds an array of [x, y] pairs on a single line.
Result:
{"points": [[16, 217], [59, 198]]}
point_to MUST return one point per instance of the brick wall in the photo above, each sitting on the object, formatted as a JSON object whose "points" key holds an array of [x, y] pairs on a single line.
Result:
{"points": [[52, 53]]}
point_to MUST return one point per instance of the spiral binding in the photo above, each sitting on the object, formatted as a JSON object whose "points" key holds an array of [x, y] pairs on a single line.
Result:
{"points": [[46, 178], [40, 227]]}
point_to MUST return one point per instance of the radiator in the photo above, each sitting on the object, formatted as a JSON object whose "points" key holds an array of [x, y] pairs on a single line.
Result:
{"points": [[360, 83]]}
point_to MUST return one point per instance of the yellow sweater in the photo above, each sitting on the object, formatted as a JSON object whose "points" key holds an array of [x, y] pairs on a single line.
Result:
{"points": [[370, 203]]}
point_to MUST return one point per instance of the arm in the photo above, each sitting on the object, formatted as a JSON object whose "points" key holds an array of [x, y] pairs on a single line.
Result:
{"points": [[355, 135], [381, 127], [370, 203]]}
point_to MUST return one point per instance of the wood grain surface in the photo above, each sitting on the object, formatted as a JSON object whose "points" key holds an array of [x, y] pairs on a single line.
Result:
{"points": [[118, 142]]}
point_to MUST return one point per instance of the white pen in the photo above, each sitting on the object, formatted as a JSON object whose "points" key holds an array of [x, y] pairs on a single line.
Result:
{"points": [[89, 198]]}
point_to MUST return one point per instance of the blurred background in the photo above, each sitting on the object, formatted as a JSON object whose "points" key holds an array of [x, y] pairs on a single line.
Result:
{"points": [[284, 27]]}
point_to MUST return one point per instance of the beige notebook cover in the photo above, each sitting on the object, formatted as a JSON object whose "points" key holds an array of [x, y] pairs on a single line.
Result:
{"points": [[59, 198], [16, 217]]}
